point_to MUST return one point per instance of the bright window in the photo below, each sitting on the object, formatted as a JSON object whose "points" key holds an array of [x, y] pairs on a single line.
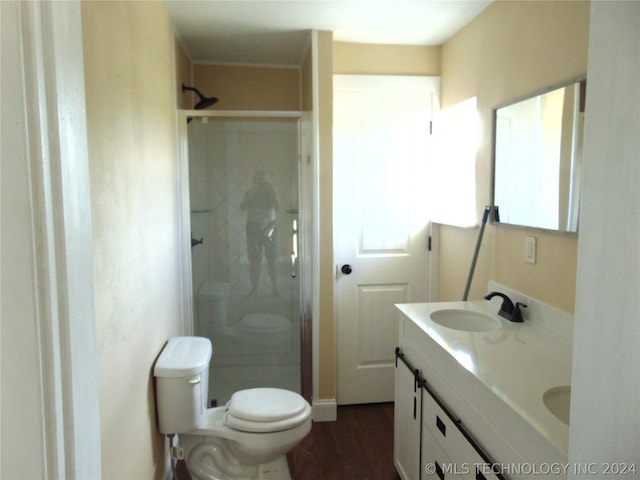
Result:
{"points": [[453, 169]]}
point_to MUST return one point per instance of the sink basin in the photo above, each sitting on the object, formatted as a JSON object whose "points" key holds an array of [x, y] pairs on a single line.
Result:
{"points": [[465, 320], [557, 400]]}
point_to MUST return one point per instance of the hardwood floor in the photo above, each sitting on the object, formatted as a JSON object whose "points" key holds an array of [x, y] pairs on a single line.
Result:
{"points": [[358, 446]]}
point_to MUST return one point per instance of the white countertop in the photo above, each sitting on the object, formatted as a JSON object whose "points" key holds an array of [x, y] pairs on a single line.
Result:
{"points": [[518, 362]]}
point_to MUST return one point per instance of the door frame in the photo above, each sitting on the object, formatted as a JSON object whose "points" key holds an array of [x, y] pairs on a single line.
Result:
{"points": [[55, 336]]}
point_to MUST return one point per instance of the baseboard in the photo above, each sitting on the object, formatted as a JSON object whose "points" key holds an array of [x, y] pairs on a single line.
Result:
{"points": [[325, 410]]}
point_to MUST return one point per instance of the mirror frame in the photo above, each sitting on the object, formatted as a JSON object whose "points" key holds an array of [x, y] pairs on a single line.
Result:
{"points": [[494, 114]]}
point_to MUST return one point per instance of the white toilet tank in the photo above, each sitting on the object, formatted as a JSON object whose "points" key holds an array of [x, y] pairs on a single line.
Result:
{"points": [[182, 384]]}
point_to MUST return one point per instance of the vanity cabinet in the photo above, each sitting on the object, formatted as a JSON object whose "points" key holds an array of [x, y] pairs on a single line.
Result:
{"points": [[483, 392], [407, 419], [429, 442]]}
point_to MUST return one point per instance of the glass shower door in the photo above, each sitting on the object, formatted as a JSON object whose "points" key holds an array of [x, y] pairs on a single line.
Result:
{"points": [[243, 181]]}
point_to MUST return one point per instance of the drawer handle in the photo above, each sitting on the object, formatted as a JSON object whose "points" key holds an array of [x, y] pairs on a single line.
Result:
{"points": [[439, 471], [195, 380], [441, 426]]}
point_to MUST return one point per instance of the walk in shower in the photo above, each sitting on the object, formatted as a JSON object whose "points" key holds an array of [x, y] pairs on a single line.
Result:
{"points": [[244, 222]]}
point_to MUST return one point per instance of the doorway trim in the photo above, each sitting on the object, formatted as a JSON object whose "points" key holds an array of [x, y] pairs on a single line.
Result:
{"points": [[57, 337]]}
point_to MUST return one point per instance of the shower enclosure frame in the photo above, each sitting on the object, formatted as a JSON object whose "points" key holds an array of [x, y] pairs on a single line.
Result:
{"points": [[184, 230]]}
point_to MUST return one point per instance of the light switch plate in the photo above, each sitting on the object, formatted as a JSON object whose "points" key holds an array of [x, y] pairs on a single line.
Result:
{"points": [[530, 249]]}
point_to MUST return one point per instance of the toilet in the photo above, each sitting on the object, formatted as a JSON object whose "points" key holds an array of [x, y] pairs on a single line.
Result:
{"points": [[248, 438]]}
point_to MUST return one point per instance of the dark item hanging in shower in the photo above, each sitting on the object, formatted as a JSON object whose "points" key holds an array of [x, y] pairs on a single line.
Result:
{"points": [[204, 101], [195, 241]]}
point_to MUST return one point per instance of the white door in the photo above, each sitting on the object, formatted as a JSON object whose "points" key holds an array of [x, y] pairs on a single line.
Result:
{"points": [[381, 151]]}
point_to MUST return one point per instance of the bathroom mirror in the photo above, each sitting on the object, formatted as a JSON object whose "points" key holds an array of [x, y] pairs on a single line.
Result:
{"points": [[538, 158]]}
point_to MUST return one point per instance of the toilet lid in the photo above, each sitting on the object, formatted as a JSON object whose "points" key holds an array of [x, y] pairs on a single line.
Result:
{"points": [[264, 324], [266, 410]]}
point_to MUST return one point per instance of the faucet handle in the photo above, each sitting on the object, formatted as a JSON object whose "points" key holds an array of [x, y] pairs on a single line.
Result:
{"points": [[517, 313]]}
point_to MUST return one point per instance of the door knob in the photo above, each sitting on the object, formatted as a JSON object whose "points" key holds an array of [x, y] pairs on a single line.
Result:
{"points": [[346, 269]]}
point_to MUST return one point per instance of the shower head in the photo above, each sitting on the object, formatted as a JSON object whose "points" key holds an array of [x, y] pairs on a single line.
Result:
{"points": [[204, 101]]}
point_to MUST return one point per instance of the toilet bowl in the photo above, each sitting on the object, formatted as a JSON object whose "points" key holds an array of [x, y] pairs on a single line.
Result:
{"points": [[246, 439], [216, 450]]}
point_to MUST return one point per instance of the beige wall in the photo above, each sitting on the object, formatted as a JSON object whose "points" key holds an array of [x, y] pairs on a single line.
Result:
{"points": [[249, 87], [130, 92], [510, 50], [327, 352], [306, 82], [369, 59], [183, 77]]}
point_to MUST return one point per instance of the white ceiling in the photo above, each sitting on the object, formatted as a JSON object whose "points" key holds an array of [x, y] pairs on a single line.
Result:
{"points": [[276, 32]]}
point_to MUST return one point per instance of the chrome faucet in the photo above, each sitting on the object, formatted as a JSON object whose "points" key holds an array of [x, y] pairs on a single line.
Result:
{"points": [[508, 310]]}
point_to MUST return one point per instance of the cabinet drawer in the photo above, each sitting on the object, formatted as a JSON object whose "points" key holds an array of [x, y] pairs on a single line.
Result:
{"points": [[436, 465], [443, 428], [450, 438], [479, 469]]}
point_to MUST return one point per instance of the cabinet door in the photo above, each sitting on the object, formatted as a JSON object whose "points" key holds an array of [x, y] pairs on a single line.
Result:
{"points": [[406, 434]]}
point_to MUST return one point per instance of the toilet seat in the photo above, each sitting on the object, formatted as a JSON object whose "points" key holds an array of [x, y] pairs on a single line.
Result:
{"points": [[263, 410], [264, 324]]}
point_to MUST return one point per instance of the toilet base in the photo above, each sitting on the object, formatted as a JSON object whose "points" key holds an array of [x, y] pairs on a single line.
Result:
{"points": [[217, 452], [210, 461], [275, 470]]}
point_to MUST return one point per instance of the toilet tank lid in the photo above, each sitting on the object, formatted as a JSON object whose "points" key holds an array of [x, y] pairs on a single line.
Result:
{"points": [[183, 357]]}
